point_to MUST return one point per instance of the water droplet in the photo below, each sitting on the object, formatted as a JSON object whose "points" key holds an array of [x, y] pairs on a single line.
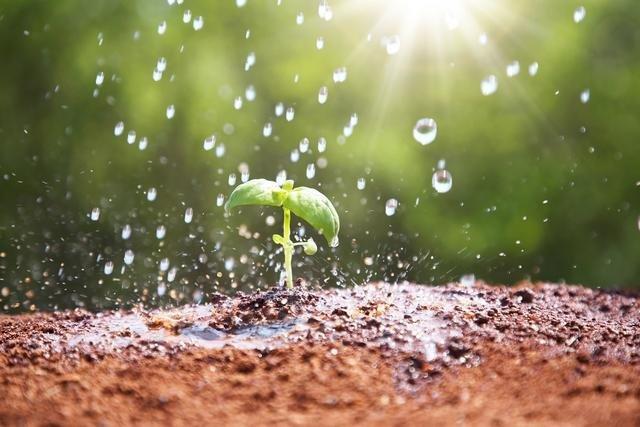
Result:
{"points": [[142, 145], [340, 75], [131, 137], [322, 145], [198, 23], [157, 75], [311, 170], [390, 207], [270, 220], [579, 14], [533, 69], [483, 39], [232, 179], [171, 111], [108, 267], [99, 78], [118, 129], [513, 69], [290, 114], [188, 215], [279, 109], [241, 3], [295, 155], [129, 257], [320, 43], [171, 276], [164, 264], [152, 193], [161, 65], [489, 85], [361, 184], [250, 62], [304, 145], [281, 177], [162, 27], [347, 131], [220, 200], [220, 150], [442, 181], [237, 103], [95, 214], [250, 93], [209, 143], [161, 231], [300, 18], [425, 131], [186, 16], [162, 288], [585, 95], [323, 94], [267, 129], [392, 44], [126, 232]]}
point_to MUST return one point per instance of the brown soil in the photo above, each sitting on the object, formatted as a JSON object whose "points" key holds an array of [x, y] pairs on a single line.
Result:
{"points": [[377, 355]]}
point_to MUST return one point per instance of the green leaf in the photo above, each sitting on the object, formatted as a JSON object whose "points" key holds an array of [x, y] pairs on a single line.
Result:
{"points": [[256, 192], [315, 208]]}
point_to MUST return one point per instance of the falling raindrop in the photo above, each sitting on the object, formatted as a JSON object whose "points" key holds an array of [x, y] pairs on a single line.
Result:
{"points": [[99, 78], [323, 94], [585, 95], [220, 150], [295, 155], [144, 142], [209, 143], [579, 14], [513, 69], [300, 18], [108, 267], [131, 137], [442, 181], [157, 75], [126, 232], [322, 145], [361, 184], [290, 114], [392, 44], [152, 193], [241, 3], [390, 207], [489, 85], [267, 129], [129, 257], [161, 231], [281, 177], [188, 215], [164, 264], [232, 179], [279, 109], [95, 214], [483, 39], [171, 111], [220, 200], [162, 27], [250, 62], [118, 129], [340, 75], [304, 145], [311, 170], [425, 131], [320, 43], [171, 275], [198, 23], [250, 93], [237, 103], [533, 69], [186, 16]]}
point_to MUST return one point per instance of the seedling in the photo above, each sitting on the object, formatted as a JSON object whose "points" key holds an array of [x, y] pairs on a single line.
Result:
{"points": [[307, 203]]}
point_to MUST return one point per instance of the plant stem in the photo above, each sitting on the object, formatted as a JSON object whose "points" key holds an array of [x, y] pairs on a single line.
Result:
{"points": [[287, 244]]}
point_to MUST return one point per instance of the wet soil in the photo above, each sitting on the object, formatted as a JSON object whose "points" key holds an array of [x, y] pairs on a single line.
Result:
{"points": [[534, 354]]}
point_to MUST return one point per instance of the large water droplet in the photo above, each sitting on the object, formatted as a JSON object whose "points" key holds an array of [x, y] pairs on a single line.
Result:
{"points": [[425, 131], [267, 129], [250, 93], [489, 85], [198, 23], [311, 170], [390, 207], [118, 129], [250, 62], [171, 111], [209, 143], [513, 69], [186, 16], [220, 200], [340, 75], [323, 94], [161, 65], [579, 14], [442, 181], [320, 43], [322, 145], [99, 78], [585, 95], [95, 214], [129, 257], [142, 145], [162, 27], [392, 44], [164, 264], [237, 102], [188, 215], [300, 18], [533, 69], [161, 231], [290, 114], [361, 184], [279, 109], [152, 193], [131, 137], [108, 267], [304, 145], [126, 232]]}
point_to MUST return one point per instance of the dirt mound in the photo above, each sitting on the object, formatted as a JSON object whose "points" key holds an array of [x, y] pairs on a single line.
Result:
{"points": [[377, 355]]}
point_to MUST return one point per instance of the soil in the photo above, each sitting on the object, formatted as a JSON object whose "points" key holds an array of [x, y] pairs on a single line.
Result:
{"points": [[534, 354]]}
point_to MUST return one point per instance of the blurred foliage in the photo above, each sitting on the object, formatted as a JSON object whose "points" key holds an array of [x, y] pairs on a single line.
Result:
{"points": [[544, 186]]}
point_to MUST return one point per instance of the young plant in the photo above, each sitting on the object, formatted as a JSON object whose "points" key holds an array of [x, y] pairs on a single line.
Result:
{"points": [[307, 203]]}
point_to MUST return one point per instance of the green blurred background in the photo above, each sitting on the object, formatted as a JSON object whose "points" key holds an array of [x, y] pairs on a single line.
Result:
{"points": [[545, 186]]}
